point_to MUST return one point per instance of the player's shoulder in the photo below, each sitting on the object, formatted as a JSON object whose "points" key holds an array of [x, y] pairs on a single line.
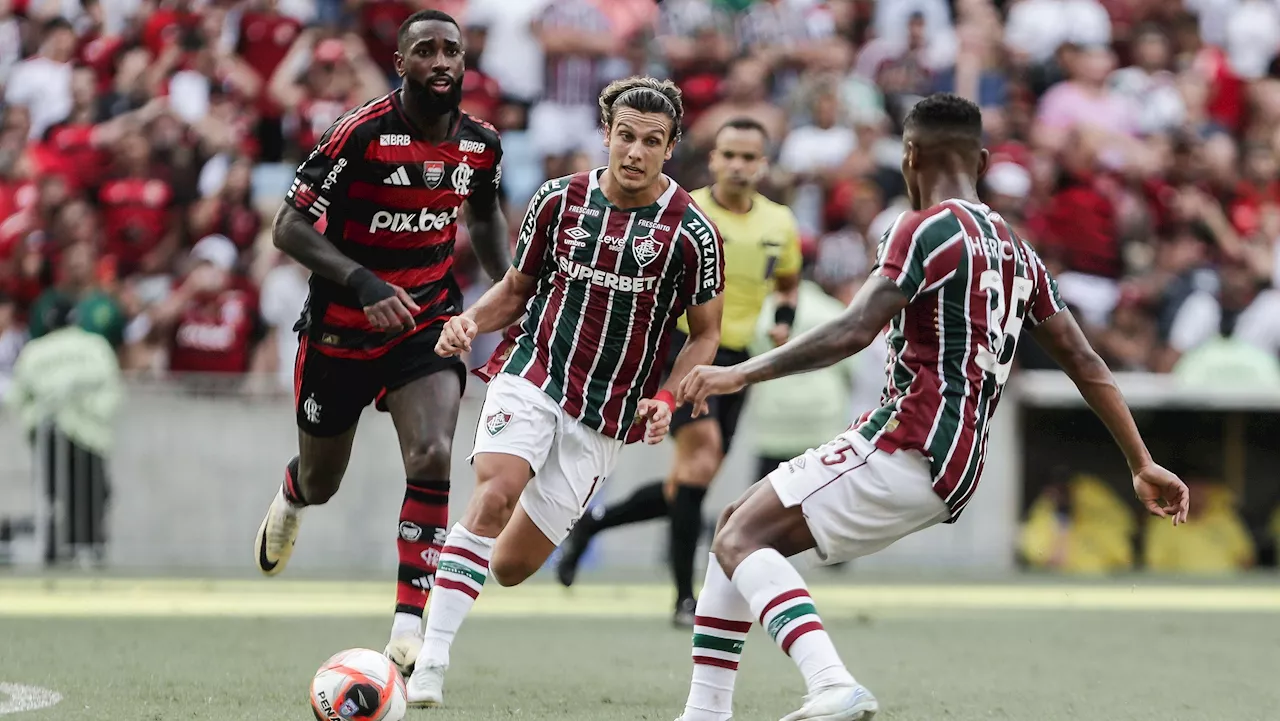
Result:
{"points": [[479, 131], [366, 122], [932, 225]]}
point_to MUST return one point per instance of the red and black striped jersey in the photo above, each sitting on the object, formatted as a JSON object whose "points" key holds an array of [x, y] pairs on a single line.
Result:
{"points": [[390, 200]]}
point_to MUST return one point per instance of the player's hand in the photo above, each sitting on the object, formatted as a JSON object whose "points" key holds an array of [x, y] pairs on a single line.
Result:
{"points": [[779, 333], [656, 415], [706, 381], [1164, 494], [456, 337], [394, 314]]}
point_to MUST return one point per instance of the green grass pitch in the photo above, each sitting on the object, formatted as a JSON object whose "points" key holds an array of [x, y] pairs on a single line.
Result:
{"points": [[609, 655]]}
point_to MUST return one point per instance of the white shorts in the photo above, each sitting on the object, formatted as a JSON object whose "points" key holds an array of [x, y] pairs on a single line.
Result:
{"points": [[858, 499], [570, 461]]}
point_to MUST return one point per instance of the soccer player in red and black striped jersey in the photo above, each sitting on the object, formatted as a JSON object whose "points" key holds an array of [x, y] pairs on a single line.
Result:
{"points": [[373, 214], [955, 287], [607, 261]]}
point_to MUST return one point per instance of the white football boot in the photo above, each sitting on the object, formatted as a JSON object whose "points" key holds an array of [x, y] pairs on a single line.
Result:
{"points": [[426, 687], [837, 703], [276, 535], [403, 650]]}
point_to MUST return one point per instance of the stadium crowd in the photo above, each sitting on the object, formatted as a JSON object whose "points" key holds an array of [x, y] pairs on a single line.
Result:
{"points": [[145, 144]]}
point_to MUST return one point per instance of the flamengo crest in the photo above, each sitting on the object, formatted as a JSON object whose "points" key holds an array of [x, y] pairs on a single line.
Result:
{"points": [[433, 173], [645, 249]]}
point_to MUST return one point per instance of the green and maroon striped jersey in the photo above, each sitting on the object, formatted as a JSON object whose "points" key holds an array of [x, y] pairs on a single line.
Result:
{"points": [[611, 285], [972, 286]]}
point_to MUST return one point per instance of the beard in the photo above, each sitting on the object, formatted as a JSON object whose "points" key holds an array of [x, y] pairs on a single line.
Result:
{"points": [[429, 102]]}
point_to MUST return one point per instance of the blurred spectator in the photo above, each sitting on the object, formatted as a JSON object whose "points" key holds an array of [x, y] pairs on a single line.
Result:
{"points": [[1253, 37], [284, 295], [66, 392], [745, 96], [42, 84], [94, 310], [12, 338], [518, 68], [1079, 527], [1214, 540], [1238, 310], [139, 212], [813, 157], [579, 40], [320, 79], [1037, 28], [229, 211], [210, 322], [695, 41], [481, 94], [1148, 83], [1083, 108]]}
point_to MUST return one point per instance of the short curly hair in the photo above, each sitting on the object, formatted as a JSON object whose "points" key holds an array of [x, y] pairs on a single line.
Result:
{"points": [[645, 94]]}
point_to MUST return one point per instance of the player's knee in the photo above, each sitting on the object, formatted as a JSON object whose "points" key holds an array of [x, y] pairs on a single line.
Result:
{"points": [[491, 508], [698, 469], [509, 572], [428, 458], [733, 543]]}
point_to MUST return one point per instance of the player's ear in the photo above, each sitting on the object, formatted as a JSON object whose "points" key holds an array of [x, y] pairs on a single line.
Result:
{"points": [[399, 64], [608, 131], [671, 146], [911, 156], [984, 161]]}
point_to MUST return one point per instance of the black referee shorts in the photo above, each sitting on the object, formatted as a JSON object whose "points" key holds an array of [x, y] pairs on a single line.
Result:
{"points": [[724, 410]]}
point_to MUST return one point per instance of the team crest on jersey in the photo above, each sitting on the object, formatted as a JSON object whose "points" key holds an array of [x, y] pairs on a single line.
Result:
{"points": [[462, 179], [433, 173], [495, 422], [645, 249]]}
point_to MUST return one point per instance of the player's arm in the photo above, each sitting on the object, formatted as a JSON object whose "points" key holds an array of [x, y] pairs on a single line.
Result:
{"points": [[1055, 329], [1159, 490], [321, 179], [488, 224]]}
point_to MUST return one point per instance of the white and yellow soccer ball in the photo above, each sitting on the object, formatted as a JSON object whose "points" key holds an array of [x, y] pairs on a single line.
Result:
{"points": [[358, 685]]}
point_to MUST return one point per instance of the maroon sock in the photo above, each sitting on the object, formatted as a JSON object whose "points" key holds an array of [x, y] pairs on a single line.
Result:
{"points": [[424, 523]]}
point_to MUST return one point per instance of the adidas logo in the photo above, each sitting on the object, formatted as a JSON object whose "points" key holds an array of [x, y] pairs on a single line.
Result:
{"points": [[400, 177]]}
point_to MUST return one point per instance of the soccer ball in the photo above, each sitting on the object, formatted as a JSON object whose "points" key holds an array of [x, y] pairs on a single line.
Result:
{"points": [[358, 685]]}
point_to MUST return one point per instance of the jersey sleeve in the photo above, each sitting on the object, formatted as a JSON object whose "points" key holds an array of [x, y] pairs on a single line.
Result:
{"points": [[1046, 302], [323, 176], [533, 246], [703, 251], [791, 260], [908, 253], [485, 191]]}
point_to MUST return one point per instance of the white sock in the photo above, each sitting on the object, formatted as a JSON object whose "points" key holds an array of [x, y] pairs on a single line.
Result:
{"points": [[721, 623], [406, 623], [464, 565], [779, 598]]}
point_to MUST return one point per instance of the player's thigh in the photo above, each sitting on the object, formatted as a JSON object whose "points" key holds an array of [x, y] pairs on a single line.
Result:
{"points": [[330, 394], [857, 499], [423, 394], [514, 435], [575, 470]]}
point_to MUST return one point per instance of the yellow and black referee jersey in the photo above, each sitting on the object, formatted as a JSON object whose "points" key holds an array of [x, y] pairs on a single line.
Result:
{"points": [[759, 245]]}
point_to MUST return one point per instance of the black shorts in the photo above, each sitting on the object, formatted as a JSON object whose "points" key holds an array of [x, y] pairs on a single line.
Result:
{"points": [[725, 410], [330, 393]]}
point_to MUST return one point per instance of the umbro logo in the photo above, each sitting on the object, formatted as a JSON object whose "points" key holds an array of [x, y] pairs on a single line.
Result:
{"points": [[577, 233], [400, 177]]}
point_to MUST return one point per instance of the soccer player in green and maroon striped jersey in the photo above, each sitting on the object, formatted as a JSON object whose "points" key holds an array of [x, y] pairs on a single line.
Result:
{"points": [[606, 263], [955, 287]]}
